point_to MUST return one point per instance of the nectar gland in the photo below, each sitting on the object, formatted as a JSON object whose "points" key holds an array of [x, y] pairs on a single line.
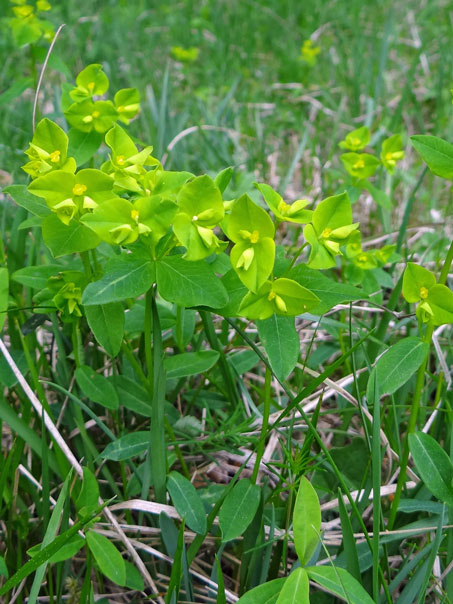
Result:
{"points": [[79, 189], [423, 293], [254, 237], [55, 156]]}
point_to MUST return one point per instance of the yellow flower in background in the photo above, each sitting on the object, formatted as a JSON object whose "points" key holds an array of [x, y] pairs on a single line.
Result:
{"points": [[309, 52], [186, 55]]}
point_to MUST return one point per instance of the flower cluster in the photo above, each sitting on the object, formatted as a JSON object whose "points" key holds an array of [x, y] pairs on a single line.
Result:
{"points": [[130, 201], [86, 111], [27, 24], [363, 165]]}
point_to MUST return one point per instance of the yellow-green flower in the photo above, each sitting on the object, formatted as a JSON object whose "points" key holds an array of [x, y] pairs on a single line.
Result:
{"points": [[309, 52]]}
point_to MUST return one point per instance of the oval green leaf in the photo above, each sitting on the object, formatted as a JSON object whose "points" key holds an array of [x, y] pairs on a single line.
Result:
{"points": [[306, 521], [396, 366], [96, 387], [132, 395], [433, 465], [108, 558], [127, 446], [124, 278], [296, 588], [436, 153], [106, 321], [238, 509], [281, 342], [190, 363], [64, 239], [190, 283], [339, 582], [187, 502], [264, 594]]}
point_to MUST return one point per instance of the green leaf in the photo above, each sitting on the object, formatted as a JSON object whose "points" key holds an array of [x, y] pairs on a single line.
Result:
{"points": [[223, 178], [436, 152], [328, 291], [15, 90], [132, 395], [332, 213], [127, 103], [106, 321], [190, 363], [440, 300], [108, 558], [253, 261], [126, 447], [187, 502], [36, 276], [281, 342], [134, 580], [238, 509], [201, 198], [112, 221], [83, 145], [69, 550], [396, 366], [236, 292], [3, 568], [91, 81], [295, 589], [306, 521], [415, 278], [64, 239], [189, 283], [247, 216], [33, 204], [88, 497], [267, 593], [125, 277], [339, 582], [96, 387], [433, 465]]}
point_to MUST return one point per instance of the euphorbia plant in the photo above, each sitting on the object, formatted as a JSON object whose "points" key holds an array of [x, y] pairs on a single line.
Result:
{"points": [[164, 230], [128, 234]]}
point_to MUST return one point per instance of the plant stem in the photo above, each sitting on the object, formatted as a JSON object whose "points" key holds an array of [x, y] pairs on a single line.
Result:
{"points": [[297, 253], [415, 409], [157, 432], [225, 368], [147, 335], [265, 424]]}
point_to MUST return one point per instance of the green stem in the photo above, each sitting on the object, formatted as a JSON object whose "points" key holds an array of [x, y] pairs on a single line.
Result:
{"points": [[294, 402], [415, 409], [147, 335], [296, 256], [208, 325], [265, 424], [157, 431], [86, 264]]}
